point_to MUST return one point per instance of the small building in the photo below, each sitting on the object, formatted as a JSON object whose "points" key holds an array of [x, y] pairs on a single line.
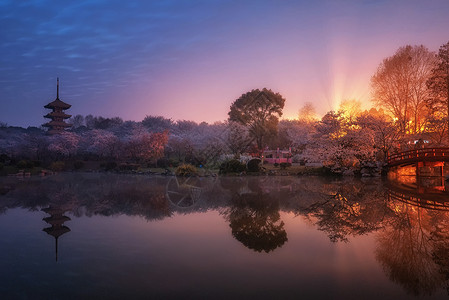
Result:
{"points": [[277, 156], [57, 115]]}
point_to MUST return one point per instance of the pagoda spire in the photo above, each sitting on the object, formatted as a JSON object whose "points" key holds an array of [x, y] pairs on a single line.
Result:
{"points": [[57, 116]]}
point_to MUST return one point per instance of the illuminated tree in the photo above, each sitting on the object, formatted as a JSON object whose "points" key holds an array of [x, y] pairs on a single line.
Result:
{"points": [[399, 86], [331, 125], [260, 112], [307, 113], [386, 134], [437, 128], [438, 83], [350, 110], [144, 146]]}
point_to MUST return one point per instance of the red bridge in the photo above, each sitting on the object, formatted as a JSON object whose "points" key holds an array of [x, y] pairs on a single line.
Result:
{"points": [[417, 156]]}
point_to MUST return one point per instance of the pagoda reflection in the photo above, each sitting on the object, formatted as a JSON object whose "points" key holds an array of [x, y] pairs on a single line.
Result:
{"points": [[56, 220]]}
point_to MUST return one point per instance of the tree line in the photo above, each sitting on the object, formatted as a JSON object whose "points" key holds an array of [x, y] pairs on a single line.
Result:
{"points": [[410, 93]]}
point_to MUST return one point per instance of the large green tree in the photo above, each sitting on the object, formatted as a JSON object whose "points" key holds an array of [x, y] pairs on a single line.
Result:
{"points": [[260, 111], [438, 83]]}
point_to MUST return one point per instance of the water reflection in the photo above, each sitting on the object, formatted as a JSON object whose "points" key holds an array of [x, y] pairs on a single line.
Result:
{"points": [[409, 220], [345, 208], [56, 220], [413, 246], [253, 215], [426, 192]]}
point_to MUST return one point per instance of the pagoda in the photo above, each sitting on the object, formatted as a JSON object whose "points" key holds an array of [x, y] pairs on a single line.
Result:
{"points": [[57, 116]]}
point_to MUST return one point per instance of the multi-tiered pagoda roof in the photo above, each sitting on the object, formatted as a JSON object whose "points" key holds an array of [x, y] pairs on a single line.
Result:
{"points": [[57, 115]]}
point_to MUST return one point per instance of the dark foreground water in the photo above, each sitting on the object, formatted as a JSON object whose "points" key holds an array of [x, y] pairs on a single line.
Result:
{"points": [[85, 236]]}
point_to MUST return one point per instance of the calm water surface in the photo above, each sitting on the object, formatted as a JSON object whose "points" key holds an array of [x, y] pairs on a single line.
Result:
{"points": [[122, 236]]}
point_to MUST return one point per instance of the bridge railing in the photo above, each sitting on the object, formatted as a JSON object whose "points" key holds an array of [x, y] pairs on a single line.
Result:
{"points": [[418, 154]]}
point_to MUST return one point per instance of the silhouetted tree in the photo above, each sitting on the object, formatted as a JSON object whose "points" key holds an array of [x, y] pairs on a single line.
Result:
{"points": [[76, 121], [237, 137], [260, 112], [157, 123]]}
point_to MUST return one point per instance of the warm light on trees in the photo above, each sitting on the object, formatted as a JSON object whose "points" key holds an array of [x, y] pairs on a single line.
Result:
{"points": [[144, 146], [399, 86], [438, 83], [386, 134], [350, 109], [307, 113]]}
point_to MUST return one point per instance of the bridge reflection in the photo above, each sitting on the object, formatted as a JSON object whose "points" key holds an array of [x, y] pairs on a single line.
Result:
{"points": [[430, 193]]}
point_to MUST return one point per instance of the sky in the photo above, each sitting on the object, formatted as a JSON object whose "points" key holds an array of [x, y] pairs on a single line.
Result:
{"points": [[189, 60]]}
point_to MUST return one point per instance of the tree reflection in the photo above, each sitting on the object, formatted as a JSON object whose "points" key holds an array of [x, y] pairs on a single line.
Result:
{"points": [[254, 216], [256, 223], [414, 245], [91, 194], [406, 249], [346, 209], [411, 227]]}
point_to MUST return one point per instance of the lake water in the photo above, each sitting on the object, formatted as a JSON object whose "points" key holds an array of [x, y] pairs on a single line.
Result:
{"points": [[79, 236]]}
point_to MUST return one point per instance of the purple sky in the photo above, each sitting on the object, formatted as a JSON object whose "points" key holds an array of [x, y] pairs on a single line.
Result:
{"points": [[191, 59]]}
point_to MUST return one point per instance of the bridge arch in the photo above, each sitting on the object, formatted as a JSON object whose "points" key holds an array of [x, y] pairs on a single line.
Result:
{"points": [[414, 156], [420, 158]]}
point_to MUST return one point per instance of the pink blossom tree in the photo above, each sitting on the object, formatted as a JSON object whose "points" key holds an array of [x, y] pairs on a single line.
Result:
{"points": [[64, 144]]}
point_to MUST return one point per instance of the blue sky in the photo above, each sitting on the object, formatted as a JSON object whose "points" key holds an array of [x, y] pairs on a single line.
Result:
{"points": [[192, 59]]}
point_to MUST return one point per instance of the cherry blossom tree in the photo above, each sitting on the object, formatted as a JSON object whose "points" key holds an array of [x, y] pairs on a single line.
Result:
{"points": [[307, 113], [237, 138], [103, 143], [144, 146], [64, 144]]}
